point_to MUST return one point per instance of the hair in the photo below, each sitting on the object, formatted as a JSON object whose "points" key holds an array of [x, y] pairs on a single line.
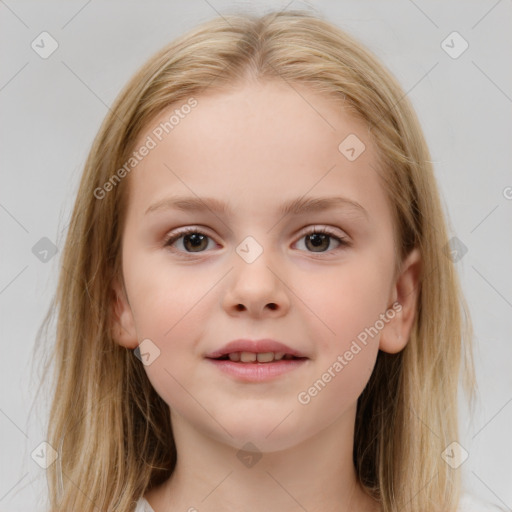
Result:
{"points": [[111, 429]]}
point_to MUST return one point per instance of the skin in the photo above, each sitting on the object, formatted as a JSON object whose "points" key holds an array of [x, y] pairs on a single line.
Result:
{"points": [[256, 146]]}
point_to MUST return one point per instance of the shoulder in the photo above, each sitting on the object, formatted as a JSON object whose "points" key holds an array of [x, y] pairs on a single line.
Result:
{"points": [[470, 503], [143, 506]]}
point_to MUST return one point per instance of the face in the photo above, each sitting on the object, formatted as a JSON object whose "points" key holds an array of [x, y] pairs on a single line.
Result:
{"points": [[315, 280]]}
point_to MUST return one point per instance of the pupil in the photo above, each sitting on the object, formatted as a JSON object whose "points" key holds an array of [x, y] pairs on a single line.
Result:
{"points": [[195, 239], [317, 239]]}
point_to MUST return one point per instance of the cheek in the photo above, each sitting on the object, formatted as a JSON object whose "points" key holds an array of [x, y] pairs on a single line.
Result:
{"points": [[346, 346], [169, 308], [172, 319], [350, 300], [347, 301], [162, 297]]}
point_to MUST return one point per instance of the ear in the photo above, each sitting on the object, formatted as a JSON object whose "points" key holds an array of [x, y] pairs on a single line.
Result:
{"points": [[123, 326], [403, 301]]}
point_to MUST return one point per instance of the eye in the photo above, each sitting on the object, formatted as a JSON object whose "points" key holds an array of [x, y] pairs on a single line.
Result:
{"points": [[193, 240], [319, 240]]}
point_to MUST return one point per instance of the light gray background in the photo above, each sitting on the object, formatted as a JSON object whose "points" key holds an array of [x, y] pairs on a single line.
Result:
{"points": [[52, 108]]}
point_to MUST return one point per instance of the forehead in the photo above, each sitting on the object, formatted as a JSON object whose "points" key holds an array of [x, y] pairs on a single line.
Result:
{"points": [[258, 143]]}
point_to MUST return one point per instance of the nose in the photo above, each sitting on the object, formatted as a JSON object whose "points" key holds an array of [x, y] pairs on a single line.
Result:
{"points": [[258, 288]]}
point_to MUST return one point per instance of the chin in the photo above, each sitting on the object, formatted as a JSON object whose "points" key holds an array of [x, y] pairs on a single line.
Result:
{"points": [[268, 433]]}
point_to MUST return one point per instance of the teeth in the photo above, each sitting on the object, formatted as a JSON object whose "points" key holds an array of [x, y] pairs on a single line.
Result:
{"points": [[266, 357], [251, 357], [247, 357]]}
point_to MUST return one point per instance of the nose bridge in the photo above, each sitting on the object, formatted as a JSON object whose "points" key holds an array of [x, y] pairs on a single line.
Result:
{"points": [[256, 233], [250, 249], [255, 258]]}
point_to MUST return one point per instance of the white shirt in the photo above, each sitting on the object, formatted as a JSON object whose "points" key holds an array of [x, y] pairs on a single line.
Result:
{"points": [[467, 503]]}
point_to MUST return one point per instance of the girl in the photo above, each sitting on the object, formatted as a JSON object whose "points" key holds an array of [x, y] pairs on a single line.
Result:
{"points": [[256, 309]]}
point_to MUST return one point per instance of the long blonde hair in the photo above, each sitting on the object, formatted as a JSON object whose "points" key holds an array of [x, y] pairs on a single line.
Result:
{"points": [[111, 429]]}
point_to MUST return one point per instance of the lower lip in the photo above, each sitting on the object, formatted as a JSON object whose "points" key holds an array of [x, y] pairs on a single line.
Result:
{"points": [[257, 372]]}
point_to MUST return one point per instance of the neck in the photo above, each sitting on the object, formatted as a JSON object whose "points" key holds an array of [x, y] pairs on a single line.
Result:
{"points": [[315, 475]]}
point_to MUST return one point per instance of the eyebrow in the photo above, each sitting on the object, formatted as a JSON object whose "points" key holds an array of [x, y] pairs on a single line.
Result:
{"points": [[301, 205]]}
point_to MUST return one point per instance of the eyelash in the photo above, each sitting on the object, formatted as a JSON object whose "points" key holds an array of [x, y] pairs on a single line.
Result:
{"points": [[170, 239]]}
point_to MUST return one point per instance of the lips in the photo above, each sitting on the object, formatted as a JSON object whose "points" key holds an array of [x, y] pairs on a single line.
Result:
{"points": [[256, 351], [257, 361]]}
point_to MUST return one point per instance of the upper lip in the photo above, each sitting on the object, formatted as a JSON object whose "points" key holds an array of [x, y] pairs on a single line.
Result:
{"points": [[255, 346]]}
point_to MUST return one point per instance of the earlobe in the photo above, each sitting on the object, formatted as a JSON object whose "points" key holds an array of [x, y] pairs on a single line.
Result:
{"points": [[122, 325], [405, 296]]}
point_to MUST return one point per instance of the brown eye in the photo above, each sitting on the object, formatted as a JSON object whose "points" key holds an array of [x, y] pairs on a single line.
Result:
{"points": [[319, 239], [193, 241], [318, 242]]}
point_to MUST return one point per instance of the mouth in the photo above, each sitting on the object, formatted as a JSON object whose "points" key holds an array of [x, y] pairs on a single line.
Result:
{"points": [[256, 351], [255, 358], [252, 367]]}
